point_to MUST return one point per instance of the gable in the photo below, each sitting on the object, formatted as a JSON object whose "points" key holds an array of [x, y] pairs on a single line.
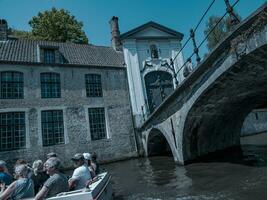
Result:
{"points": [[151, 32]]}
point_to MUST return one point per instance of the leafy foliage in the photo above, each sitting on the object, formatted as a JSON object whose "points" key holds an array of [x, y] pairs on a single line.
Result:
{"points": [[57, 25], [220, 31]]}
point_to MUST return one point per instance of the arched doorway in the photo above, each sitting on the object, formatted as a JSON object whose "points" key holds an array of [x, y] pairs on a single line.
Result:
{"points": [[159, 85], [157, 144]]}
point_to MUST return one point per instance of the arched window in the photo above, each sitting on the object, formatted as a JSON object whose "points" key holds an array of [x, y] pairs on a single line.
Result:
{"points": [[50, 85], [154, 51], [11, 85]]}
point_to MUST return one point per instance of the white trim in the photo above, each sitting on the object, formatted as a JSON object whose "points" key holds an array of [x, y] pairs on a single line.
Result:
{"points": [[108, 133], [39, 121], [88, 137], [38, 53], [27, 123], [107, 123]]}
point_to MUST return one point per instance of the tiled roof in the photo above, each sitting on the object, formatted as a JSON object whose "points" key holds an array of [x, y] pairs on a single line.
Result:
{"points": [[81, 54]]}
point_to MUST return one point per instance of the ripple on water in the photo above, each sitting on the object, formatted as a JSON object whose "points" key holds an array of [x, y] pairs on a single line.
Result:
{"points": [[205, 197], [158, 178]]}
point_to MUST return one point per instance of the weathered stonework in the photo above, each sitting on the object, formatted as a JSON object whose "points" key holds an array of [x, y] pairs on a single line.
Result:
{"points": [[255, 123], [120, 142], [208, 109]]}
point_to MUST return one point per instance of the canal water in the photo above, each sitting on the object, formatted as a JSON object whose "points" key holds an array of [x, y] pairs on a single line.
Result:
{"points": [[158, 178]]}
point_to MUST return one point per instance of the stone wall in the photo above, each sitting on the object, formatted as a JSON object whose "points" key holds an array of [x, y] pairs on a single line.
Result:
{"points": [[255, 122], [209, 107], [120, 142]]}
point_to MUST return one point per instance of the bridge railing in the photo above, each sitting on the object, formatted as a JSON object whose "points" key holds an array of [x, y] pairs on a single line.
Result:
{"points": [[195, 52], [203, 66], [189, 65]]}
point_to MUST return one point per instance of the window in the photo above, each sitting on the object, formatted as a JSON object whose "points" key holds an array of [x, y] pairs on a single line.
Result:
{"points": [[49, 56], [50, 85], [52, 127], [12, 131], [62, 59], [11, 85], [154, 51], [97, 123], [93, 85]]}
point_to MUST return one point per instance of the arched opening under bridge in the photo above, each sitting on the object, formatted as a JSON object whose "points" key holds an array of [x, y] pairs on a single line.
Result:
{"points": [[157, 144], [215, 120]]}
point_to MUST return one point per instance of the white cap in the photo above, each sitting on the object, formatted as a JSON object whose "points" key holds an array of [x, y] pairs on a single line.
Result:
{"points": [[87, 156]]}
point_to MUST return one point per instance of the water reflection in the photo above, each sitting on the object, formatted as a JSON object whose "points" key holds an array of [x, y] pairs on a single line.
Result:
{"points": [[159, 178], [156, 177]]}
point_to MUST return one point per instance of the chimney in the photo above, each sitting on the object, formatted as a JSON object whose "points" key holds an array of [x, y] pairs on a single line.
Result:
{"points": [[3, 30], [115, 34]]}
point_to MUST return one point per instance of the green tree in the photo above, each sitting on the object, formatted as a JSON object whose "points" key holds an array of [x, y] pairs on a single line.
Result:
{"points": [[57, 25], [219, 32]]}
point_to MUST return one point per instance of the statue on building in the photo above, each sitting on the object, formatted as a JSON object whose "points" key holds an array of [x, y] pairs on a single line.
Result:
{"points": [[188, 68]]}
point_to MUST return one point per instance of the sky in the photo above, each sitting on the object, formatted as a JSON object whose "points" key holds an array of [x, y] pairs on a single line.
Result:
{"points": [[180, 15]]}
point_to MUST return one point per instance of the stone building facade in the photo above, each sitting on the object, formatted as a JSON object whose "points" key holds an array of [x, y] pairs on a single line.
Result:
{"points": [[64, 98]]}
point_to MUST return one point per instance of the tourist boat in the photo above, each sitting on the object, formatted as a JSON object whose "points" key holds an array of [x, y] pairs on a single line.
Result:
{"points": [[100, 189]]}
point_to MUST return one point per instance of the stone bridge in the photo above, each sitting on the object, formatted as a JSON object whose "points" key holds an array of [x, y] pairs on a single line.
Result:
{"points": [[206, 112]]}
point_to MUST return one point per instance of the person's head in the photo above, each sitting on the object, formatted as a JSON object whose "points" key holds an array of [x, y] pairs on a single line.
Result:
{"points": [[21, 171], [51, 155], [37, 166], [94, 156], [78, 160], [21, 162], [87, 158], [2, 166], [52, 165]]}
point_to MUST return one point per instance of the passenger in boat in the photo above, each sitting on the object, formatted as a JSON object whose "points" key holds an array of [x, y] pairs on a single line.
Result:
{"points": [[57, 182], [39, 176], [5, 167], [88, 160], [81, 174], [21, 188], [5, 177], [95, 164], [54, 155], [24, 162], [51, 155]]}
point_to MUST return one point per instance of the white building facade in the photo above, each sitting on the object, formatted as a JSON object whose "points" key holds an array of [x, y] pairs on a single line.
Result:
{"points": [[148, 50]]}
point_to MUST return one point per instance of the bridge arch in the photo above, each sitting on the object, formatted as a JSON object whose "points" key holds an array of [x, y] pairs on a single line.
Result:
{"points": [[215, 118], [159, 143], [209, 107]]}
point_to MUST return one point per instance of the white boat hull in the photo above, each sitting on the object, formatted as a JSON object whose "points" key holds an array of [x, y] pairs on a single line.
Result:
{"points": [[99, 190]]}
